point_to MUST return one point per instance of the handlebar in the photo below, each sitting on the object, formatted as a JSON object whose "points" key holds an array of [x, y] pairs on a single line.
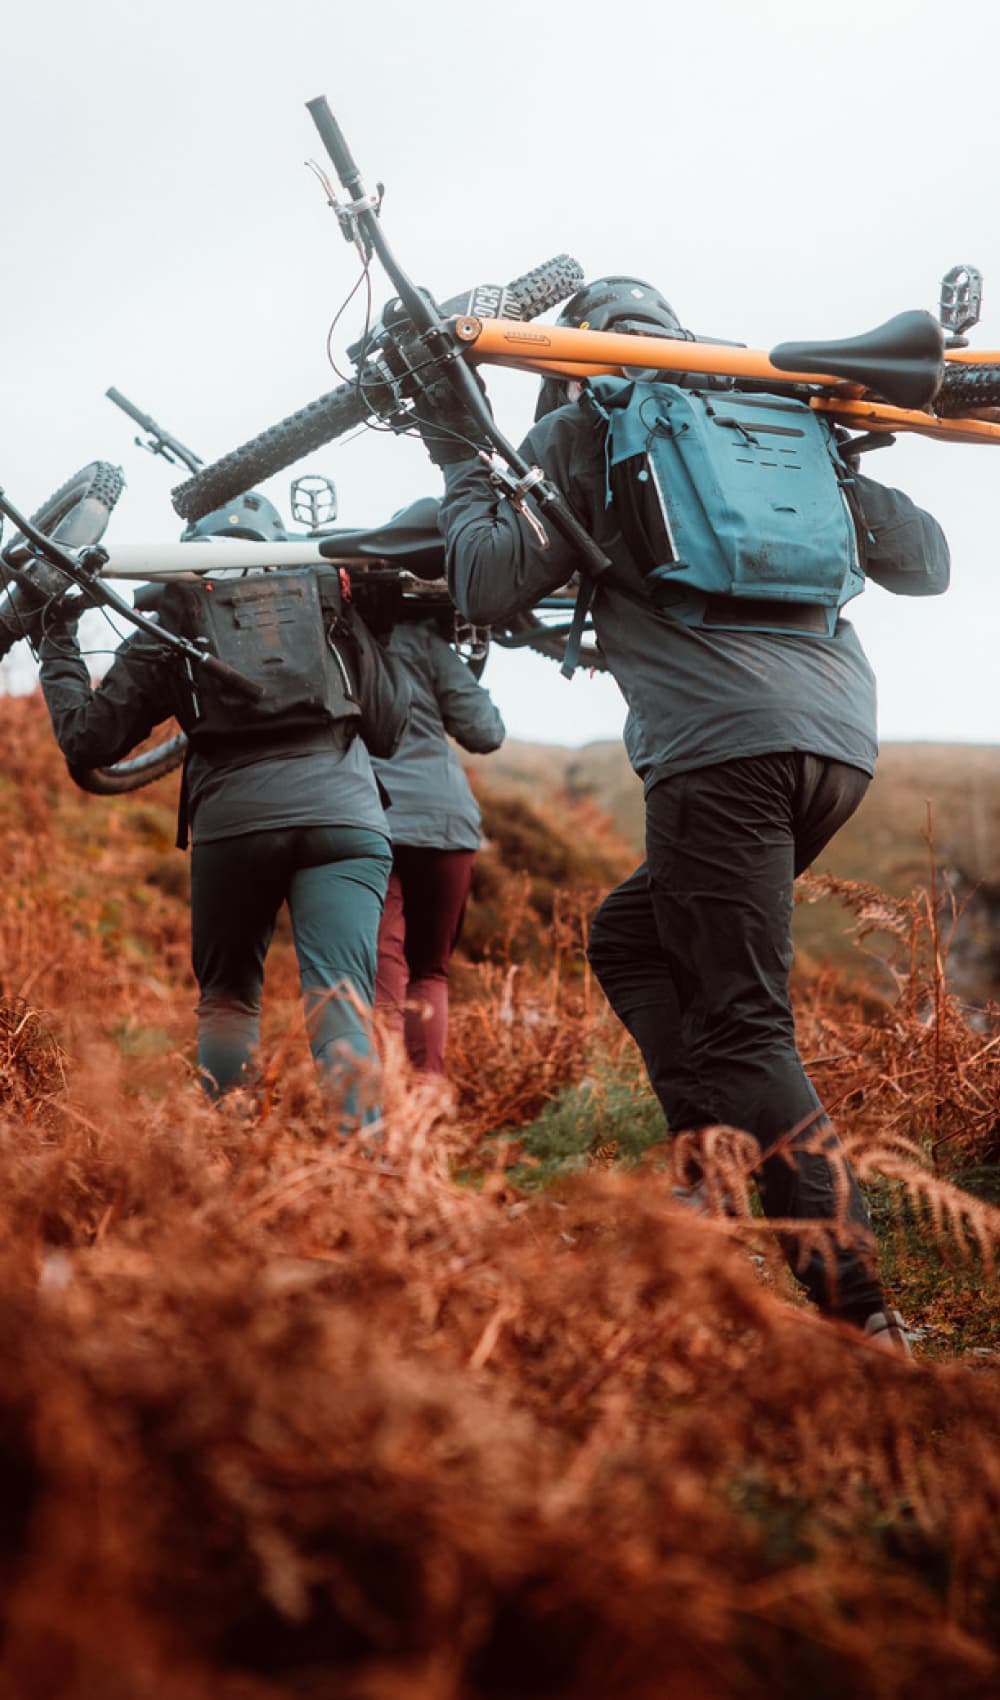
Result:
{"points": [[333, 139], [440, 344], [162, 442], [82, 569], [229, 676], [374, 390]]}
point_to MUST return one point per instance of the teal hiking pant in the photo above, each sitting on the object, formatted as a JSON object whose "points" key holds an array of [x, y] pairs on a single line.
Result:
{"points": [[333, 880]]}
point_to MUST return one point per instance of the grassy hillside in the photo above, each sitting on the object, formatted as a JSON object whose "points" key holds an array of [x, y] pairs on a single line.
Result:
{"points": [[472, 1410], [951, 790], [886, 840]]}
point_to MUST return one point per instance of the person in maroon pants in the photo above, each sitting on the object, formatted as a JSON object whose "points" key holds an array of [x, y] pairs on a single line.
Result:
{"points": [[435, 826]]}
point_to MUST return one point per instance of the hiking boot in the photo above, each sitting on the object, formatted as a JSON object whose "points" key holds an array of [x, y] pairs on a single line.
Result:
{"points": [[886, 1331]]}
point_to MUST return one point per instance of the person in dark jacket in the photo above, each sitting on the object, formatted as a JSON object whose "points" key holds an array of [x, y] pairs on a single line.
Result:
{"points": [[753, 747], [435, 825], [301, 825]]}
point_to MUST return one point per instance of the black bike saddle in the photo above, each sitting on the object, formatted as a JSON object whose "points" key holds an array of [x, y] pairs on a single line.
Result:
{"points": [[902, 360], [411, 539]]}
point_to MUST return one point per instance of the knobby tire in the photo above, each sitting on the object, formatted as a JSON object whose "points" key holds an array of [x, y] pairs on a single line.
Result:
{"points": [[337, 412], [966, 387], [76, 515]]}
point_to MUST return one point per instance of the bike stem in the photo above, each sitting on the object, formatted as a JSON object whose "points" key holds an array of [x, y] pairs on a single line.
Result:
{"points": [[360, 221], [83, 570]]}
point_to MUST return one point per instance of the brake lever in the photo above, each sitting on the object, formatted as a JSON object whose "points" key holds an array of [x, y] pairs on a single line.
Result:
{"points": [[516, 489]]}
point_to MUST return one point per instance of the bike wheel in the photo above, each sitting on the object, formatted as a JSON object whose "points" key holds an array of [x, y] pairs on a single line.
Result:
{"points": [[546, 286], [547, 634], [300, 434], [340, 410], [134, 772], [966, 387], [76, 514]]}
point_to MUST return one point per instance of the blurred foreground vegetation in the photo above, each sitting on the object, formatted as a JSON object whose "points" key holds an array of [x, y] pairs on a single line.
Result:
{"points": [[474, 1412]]}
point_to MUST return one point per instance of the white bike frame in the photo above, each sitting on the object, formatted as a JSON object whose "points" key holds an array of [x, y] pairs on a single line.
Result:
{"points": [[161, 562]]}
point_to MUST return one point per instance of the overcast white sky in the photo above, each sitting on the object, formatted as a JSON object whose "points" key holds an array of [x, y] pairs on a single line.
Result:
{"points": [[781, 170]]}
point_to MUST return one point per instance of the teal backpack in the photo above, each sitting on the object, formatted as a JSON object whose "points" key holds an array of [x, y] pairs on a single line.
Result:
{"points": [[737, 506]]}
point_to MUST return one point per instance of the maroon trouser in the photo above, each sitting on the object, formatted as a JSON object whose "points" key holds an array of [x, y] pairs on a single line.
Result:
{"points": [[421, 923]]}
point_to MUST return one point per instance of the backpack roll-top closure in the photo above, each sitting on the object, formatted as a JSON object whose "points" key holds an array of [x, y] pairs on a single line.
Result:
{"points": [[733, 502]]}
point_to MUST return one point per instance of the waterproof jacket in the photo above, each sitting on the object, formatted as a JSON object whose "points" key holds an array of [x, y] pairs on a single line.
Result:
{"points": [[432, 805], [277, 788], [696, 696]]}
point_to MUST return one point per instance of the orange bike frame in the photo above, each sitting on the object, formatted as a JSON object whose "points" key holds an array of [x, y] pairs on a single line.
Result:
{"points": [[565, 352]]}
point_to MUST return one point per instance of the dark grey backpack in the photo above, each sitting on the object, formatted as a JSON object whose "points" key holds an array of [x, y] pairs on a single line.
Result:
{"points": [[326, 678], [296, 633]]}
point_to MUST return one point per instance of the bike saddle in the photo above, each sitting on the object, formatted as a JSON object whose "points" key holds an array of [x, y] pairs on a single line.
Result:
{"points": [[411, 537], [902, 360]]}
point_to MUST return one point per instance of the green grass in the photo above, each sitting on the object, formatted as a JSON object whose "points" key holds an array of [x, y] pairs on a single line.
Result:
{"points": [[946, 1296], [610, 1114]]}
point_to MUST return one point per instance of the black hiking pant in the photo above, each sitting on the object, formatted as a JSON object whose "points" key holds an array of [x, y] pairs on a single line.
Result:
{"points": [[694, 953]]}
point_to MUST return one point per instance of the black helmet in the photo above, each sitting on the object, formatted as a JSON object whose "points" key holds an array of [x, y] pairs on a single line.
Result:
{"points": [[251, 516], [625, 304], [621, 304]]}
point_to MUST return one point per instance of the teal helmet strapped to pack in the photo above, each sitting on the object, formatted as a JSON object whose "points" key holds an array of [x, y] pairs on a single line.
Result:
{"points": [[251, 517], [625, 304]]}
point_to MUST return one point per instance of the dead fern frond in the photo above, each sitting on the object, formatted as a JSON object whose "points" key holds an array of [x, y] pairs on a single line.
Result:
{"points": [[32, 1063], [286, 1414], [956, 1221]]}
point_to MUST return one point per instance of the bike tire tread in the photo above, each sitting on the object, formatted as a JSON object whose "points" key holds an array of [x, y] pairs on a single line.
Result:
{"points": [[965, 387], [331, 415]]}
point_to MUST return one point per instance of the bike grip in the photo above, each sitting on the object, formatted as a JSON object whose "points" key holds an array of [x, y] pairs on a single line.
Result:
{"points": [[554, 505], [228, 676], [592, 556], [129, 407], [333, 140]]}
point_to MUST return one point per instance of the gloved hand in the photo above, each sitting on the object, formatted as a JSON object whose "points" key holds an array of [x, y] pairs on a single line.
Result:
{"points": [[57, 625], [449, 432]]}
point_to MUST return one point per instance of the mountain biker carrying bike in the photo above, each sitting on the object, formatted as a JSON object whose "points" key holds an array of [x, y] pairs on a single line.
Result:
{"points": [[754, 747], [281, 813], [435, 824]]}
